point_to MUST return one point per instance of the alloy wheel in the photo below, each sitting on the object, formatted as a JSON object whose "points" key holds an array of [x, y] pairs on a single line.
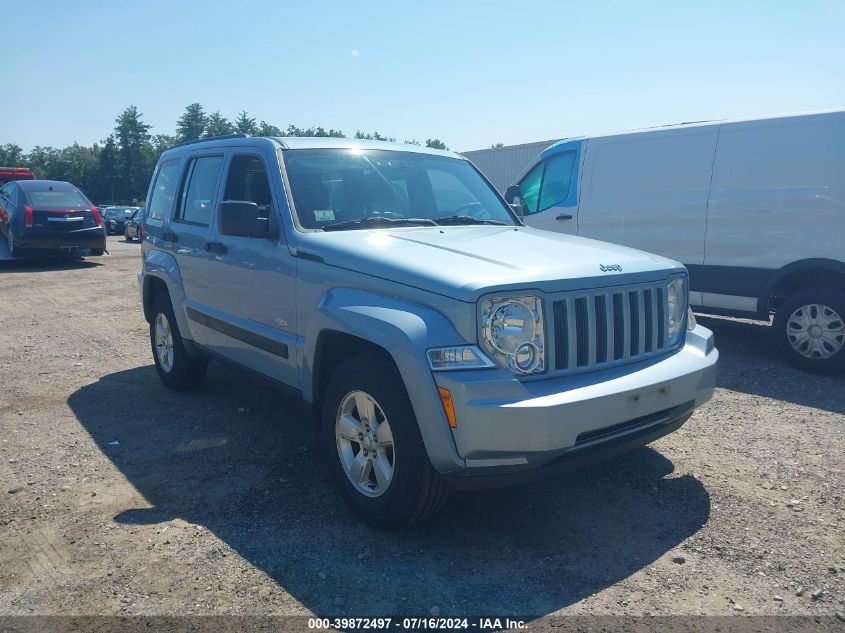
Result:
{"points": [[365, 444]]}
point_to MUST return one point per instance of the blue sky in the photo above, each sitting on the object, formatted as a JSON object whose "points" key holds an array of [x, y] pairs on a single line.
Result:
{"points": [[470, 73]]}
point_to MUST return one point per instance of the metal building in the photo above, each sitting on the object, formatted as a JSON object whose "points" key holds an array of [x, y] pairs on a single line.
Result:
{"points": [[502, 165]]}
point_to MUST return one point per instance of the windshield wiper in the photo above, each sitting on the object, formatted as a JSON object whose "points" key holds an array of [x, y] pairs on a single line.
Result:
{"points": [[465, 219], [377, 221]]}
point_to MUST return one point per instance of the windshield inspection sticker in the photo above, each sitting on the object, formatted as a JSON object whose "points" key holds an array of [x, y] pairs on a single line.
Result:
{"points": [[323, 215]]}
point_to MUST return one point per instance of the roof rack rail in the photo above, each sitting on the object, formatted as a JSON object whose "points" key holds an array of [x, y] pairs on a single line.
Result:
{"points": [[209, 138]]}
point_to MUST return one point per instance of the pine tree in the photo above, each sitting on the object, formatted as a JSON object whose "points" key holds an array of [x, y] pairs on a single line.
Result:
{"points": [[245, 124], [192, 124], [218, 125], [133, 138]]}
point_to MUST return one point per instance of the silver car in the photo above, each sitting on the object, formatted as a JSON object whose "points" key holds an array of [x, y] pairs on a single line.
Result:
{"points": [[436, 341]]}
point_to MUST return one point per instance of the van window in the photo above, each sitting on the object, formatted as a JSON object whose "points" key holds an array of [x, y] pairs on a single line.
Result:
{"points": [[198, 191], [529, 188], [164, 190], [557, 180]]}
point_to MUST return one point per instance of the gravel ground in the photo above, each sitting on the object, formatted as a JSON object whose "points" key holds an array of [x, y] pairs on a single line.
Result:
{"points": [[120, 497]]}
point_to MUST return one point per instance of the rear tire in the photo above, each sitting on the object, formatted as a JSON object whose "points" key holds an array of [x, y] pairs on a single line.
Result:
{"points": [[176, 368], [415, 490], [810, 330]]}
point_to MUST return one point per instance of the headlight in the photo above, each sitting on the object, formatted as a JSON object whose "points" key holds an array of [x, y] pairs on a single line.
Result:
{"points": [[691, 322], [676, 308], [512, 333]]}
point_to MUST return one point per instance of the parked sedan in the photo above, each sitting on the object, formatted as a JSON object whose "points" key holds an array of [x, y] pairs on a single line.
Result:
{"points": [[115, 219], [135, 227], [49, 216]]}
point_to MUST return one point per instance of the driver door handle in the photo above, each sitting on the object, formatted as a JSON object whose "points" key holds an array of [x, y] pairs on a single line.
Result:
{"points": [[215, 247], [564, 216]]}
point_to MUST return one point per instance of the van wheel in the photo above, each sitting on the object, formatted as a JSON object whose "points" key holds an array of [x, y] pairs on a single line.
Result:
{"points": [[373, 447], [175, 367], [810, 328]]}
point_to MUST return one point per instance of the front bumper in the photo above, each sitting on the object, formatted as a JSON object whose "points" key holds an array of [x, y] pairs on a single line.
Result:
{"points": [[508, 430]]}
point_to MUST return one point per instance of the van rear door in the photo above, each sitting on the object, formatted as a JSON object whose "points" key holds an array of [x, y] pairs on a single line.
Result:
{"points": [[649, 190]]}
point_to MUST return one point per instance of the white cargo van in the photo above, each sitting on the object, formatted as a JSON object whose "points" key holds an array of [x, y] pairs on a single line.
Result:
{"points": [[754, 209]]}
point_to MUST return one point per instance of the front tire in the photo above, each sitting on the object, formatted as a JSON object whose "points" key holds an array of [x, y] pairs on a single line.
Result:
{"points": [[810, 330], [373, 447], [176, 368]]}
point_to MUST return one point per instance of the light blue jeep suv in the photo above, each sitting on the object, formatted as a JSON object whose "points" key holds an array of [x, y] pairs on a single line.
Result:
{"points": [[436, 341]]}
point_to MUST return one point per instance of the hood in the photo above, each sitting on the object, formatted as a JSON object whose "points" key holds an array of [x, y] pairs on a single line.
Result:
{"points": [[465, 262]]}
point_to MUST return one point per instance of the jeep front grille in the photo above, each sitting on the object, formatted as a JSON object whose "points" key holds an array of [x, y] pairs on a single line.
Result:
{"points": [[594, 329]]}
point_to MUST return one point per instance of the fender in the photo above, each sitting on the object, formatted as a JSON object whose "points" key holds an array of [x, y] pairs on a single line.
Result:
{"points": [[163, 266], [406, 330], [832, 265]]}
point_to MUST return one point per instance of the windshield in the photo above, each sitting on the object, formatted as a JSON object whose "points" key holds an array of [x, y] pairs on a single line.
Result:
{"points": [[362, 187], [117, 212]]}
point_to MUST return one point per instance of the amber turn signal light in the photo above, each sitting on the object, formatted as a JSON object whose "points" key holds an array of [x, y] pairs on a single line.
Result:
{"points": [[448, 406]]}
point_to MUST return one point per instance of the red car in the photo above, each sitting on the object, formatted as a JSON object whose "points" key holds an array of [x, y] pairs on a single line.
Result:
{"points": [[7, 174]]}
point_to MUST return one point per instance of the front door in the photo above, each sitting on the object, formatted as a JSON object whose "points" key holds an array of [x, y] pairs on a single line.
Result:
{"points": [[253, 279], [549, 191]]}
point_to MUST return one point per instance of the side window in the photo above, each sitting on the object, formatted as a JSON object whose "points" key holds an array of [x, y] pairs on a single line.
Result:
{"points": [[450, 194], [557, 180], [6, 191], [164, 190], [198, 190], [248, 182], [529, 188]]}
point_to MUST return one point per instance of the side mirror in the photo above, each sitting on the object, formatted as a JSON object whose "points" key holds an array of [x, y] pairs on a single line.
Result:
{"points": [[511, 193], [243, 219]]}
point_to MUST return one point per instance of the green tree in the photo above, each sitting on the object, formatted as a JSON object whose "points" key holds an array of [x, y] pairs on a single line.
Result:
{"points": [[245, 124], [497, 145], [11, 155], [43, 162], [293, 130], [132, 136], [373, 136], [265, 129], [435, 143], [218, 125], [107, 177], [191, 125], [413, 141], [162, 142]]}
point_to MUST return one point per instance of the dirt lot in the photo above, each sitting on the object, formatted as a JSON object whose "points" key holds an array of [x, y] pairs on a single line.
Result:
{"points": [[133, 499]]}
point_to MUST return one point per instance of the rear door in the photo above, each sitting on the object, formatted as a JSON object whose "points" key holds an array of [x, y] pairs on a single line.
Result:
{"points": [[252, 280], [549, 190], [649, 190], [188, 230]]}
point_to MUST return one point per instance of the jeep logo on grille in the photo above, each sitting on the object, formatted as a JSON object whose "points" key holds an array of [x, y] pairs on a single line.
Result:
{"points": [[606, 268]]}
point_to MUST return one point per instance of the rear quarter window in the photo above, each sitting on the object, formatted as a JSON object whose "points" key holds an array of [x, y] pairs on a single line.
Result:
{"points": [[164, 190]]}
